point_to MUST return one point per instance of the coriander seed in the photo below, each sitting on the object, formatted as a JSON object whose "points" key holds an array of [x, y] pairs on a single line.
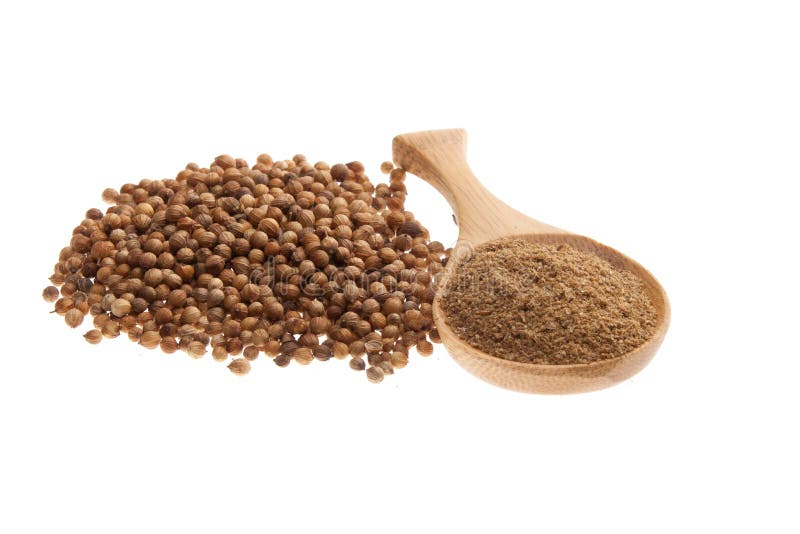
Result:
{"points": [[150, 339], [424, 347], [50, 294], [73, 318], [375, 375], [250, 352], [303, 355], [386, 367], [196, 349], [169, 345], [282, 360], [357, 363], [120, 307], [301, 261], [219, 353], [110, 329], [239, 366], [398, 359], [93, 336]]}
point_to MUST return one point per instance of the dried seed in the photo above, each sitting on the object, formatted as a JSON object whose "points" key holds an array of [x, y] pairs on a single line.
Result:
{"points": [[373, 346], [357, 363], [239, 366], [424, 347], [434, 335], [413, 319], [219, 353], [412, 228], [263, 258], [169, 345], [386, 367], [322, 353], [303, 355], [93, 336], [340, 350], [196, 349], [282, 360], [110, 329], [398, 359], [50, 294], [150, 339], [375, 375], [250, 352], [63, 305], [272, 348], [120, 307], [73, 318]]}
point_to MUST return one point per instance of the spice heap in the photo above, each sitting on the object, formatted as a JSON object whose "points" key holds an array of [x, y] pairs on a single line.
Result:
{"points": [[264, 259], [546, 304]]}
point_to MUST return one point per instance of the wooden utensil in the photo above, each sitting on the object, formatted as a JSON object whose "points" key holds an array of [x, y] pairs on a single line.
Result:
{"points": [[439, 157]]}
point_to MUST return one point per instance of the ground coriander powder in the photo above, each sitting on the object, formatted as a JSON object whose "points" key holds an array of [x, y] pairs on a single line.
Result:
{"points": [[547, 304]]}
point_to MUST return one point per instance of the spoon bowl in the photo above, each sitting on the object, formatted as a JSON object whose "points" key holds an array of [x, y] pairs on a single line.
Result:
{"points": [[439, 157]]}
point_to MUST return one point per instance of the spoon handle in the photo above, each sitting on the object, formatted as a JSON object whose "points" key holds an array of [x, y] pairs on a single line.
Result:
{"points": [[439, 158]]}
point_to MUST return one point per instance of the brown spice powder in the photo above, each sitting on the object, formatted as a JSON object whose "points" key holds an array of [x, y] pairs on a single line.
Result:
{"points": [[547, 304]]}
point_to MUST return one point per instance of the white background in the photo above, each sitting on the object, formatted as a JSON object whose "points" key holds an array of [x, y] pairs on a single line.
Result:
{"points": [[668, 130]]}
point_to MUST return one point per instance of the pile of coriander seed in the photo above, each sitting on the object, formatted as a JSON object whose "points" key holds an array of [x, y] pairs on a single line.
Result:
{"points": [[294, 260]]}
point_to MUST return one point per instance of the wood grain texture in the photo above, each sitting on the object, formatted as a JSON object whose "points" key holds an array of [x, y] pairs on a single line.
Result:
{"points": [[439, 157]]}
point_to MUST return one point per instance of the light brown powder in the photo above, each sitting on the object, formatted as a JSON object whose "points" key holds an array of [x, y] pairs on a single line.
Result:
{"points": [[547, 304]]}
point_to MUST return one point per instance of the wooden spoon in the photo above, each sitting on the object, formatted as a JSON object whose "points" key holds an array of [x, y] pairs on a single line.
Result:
{"points": [[439, 157]]}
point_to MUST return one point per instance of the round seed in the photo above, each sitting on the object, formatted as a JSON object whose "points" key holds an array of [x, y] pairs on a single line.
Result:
{"points": [[250, 259], [398, 359], [93, 336], [357, 364], [375, 374], [110, 329], [424, 347], [73, 318], [250, 352], [120, 307], [303, 355], [50, 294], [239, 366], [150, 339], [196, 349]]}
